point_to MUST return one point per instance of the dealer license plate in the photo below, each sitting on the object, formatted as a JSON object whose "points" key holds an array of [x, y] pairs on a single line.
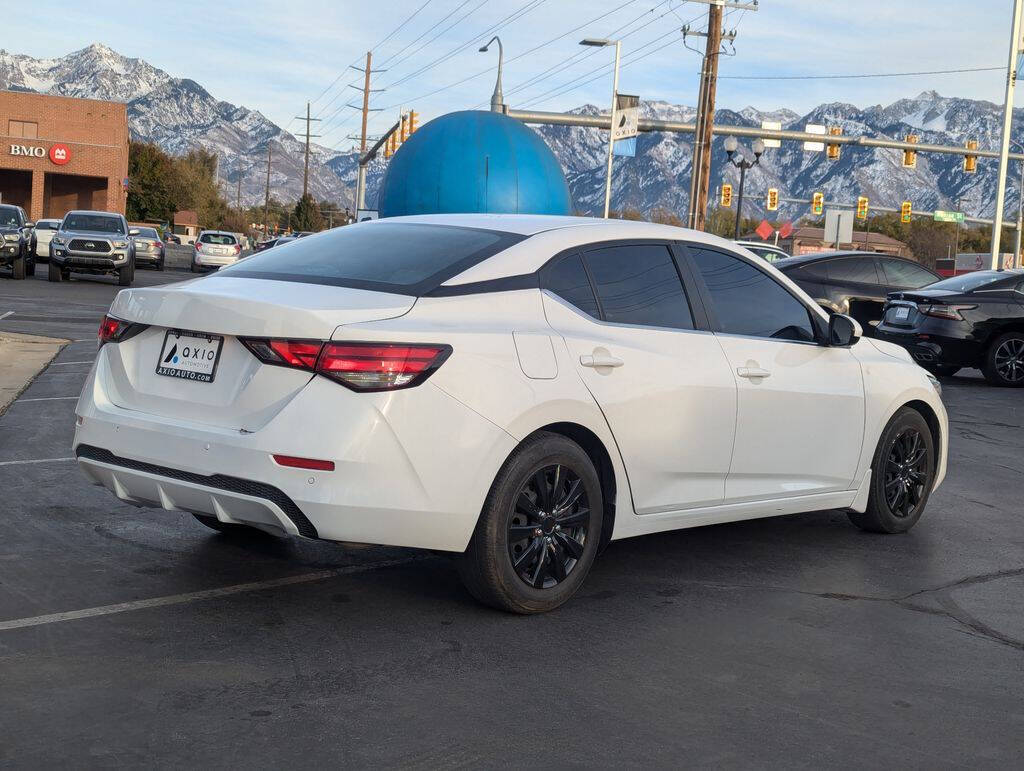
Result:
{"points": [[902, 313], [189, 355]]}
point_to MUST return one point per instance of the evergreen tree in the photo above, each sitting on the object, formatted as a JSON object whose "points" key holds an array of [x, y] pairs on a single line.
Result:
{"points": [[306, 215]]}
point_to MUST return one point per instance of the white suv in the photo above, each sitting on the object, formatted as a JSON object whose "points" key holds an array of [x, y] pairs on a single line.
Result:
{"points": [[516, 389]]}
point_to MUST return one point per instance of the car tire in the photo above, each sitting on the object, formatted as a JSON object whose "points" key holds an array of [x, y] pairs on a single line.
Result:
{"points": [[521, 558], [53, 272], [160, 264], [193, 267], [942, 370], [231, 528], [18, 267], [902, 475], [126, 275], [30, 265], [1004, 361]]}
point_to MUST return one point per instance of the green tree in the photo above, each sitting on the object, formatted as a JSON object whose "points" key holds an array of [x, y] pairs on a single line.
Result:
{"points": [[306, 215], [151, 183]]}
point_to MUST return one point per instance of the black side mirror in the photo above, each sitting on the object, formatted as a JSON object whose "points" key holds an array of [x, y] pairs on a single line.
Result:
{"points": [[843, 331]]}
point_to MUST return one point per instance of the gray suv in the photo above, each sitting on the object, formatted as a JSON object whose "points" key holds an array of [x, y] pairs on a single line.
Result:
{"points": [[95, 242]]}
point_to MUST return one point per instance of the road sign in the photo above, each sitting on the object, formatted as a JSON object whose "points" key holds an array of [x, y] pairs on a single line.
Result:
{"points": [[948, 216], [838, 227], [772, 125], [786, 230], [764, 230], [627, 117], [814, 147]]}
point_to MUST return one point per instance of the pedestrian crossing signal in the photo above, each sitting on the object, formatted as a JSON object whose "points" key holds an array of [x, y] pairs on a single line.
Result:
{"points": [[818, 203], [862, 208], [773, 199], [727, 195], [905, 211]]}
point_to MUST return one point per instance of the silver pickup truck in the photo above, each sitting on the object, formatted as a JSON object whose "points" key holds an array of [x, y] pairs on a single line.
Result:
{"points": [[95, 242]]}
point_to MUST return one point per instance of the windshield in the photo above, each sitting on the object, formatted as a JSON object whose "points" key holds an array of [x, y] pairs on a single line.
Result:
{"points": [[386, 256], [224, 239], [48, 225], [9, 217], [148, 233], [968, 281], [96, 223]]}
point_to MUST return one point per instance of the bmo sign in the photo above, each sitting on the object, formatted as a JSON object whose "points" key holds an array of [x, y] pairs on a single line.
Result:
{"points": [[59, 153]]}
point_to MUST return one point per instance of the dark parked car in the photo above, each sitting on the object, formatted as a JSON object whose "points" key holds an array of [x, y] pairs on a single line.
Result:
{"points": [[149, 249], [974, 320], [15, 233], [855, 283]]}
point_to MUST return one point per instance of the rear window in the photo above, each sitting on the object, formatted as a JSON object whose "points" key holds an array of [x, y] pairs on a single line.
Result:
{"points": [[96, 223], [224, 239], [147, 233], [405, 258], [968, 281], [47, 225]]}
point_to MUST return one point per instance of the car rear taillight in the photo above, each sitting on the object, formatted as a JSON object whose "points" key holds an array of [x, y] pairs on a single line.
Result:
{"points": [[198, 247], [115, 330], [945, 311], [359, 366], [238, 248], [380, 366]]}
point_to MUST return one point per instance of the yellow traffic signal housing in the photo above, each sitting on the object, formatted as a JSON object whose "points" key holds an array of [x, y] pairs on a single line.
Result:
{"points": [[905, 211], [412, 122], [818, 203], [910, 156], [832, 151], [403, 130], [389, 146], [773, 199], [862, 208], [727, 195], [971, 161]]}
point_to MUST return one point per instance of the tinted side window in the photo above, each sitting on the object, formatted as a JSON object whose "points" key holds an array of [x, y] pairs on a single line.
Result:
{"points": [[860, 270], [567, 279], [906, 274], [639, 284], [748, 301]]}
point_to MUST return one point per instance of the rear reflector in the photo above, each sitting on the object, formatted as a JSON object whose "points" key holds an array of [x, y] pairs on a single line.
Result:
{"points": [[359, 366], [308, 463]]}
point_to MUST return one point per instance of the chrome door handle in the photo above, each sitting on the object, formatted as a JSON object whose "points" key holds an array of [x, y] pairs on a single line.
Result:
{"points": [[600, 361], [753, 373]]}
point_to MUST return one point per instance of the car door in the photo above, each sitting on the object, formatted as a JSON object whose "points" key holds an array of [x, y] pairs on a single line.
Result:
{"points": [[800, 403], [662, 382]]}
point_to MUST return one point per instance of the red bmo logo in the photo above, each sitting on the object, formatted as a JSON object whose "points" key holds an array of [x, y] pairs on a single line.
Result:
{"points": [[60, 154]]}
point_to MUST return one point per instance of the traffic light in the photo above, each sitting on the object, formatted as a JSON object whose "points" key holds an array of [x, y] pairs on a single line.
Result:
{"points": [[971, 161], [403, 130], [832, 151], [412, 122], [910, 156], [727, 195], [905, 211], [862, 208], [389, 145], [818, 203], [773, 199]]}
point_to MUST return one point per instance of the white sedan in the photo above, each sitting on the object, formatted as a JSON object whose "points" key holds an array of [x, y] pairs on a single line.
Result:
{"points": [[520, 390]]}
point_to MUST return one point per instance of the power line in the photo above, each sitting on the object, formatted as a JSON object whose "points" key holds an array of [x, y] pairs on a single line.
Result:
{"points": [[859, 75], [426, 32]]}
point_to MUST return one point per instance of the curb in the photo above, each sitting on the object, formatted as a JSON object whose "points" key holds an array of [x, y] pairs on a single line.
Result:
{"points": [[22, 358]]}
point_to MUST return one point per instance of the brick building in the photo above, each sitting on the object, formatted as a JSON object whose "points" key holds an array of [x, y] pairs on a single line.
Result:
{"points": [[58, 153]]}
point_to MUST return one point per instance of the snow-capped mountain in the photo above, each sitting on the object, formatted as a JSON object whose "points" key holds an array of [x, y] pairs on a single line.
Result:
{"points": [[178, 114]]}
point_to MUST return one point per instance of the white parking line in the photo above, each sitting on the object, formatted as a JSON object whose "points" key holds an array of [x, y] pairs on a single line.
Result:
{"points": [[64, 363], [5, 315], [46, 399], [37, 460], [177, 599]]}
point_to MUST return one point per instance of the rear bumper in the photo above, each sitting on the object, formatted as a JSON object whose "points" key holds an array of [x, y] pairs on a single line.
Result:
{"points": [[412, 468], [929, 348], [213, 260]]}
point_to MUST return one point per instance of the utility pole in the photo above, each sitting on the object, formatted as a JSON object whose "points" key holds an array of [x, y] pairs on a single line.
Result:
{"points": [[361, 173], [1004, 150], [266, 199], [305, 173], [700, 179], [238, 193]]}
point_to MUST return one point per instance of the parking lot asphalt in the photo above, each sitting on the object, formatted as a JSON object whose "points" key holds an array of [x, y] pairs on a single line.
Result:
{"points": [[132, 637]]}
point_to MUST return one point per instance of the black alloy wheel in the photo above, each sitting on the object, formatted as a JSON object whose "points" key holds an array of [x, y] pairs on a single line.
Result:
{"points": [[548, 527], [906, 473], [1008, 359]]}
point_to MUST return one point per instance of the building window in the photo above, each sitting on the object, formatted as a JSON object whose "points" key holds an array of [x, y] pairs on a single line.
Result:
{"points": [[23, 128]]}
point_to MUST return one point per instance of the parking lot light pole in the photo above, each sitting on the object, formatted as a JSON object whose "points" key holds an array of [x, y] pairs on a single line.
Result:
{"points": [[497, 99], [731, 145], [601, 43]]}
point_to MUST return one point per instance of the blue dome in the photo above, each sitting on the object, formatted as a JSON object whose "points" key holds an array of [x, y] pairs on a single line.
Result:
{"points": [[474, 162]]}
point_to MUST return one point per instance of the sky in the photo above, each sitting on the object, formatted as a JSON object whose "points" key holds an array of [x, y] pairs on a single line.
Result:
{"points": [[275, 57]]}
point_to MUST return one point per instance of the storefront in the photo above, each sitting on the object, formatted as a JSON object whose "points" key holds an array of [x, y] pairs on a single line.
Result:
{"points": [[58, 153]]}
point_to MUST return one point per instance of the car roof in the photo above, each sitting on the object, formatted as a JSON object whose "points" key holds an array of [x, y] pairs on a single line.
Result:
{"points": [[759, 245], [93, 211], [217, 232]]}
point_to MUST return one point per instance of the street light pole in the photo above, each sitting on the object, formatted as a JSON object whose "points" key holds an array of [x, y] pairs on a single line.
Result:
{"points": [[731, 145], [611, 125], [497, 98], [1004, 150]]}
